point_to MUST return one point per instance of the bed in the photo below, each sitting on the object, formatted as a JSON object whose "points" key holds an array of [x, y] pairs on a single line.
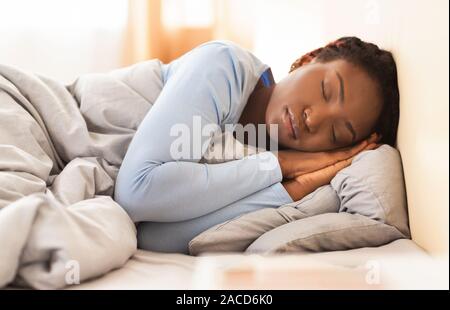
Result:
{"points": [[365, 268]]}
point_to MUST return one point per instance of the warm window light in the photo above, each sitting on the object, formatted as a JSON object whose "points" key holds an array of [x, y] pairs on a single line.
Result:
{"points": [[187, 13], [63, 14]]}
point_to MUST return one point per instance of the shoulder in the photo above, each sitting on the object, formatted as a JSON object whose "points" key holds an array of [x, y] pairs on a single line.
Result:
{"points": [[228, 52], [225, 47], [221, 54], [222, 44]]}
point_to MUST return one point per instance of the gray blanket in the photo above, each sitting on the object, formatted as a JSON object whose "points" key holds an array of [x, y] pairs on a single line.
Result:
{"points": [[60, 150]]}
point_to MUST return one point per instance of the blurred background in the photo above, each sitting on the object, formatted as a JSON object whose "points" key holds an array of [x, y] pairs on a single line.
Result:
{"points": [[65, 38]]}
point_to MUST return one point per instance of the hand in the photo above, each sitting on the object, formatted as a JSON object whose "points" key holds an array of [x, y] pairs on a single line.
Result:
{"points": [[306, 183], [296, 163]]}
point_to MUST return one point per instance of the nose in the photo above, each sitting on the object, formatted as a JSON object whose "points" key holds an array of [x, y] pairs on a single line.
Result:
{"points": [[318, 116]]}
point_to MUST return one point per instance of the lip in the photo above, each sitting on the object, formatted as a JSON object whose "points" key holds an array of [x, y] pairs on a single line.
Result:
{"points": [[291, 124]]}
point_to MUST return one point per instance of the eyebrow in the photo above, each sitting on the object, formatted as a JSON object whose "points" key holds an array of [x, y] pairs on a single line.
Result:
{"points": [[341, 87]]}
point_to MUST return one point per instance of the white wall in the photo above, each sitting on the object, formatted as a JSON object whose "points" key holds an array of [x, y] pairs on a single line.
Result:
{"points": [[417, 33]]}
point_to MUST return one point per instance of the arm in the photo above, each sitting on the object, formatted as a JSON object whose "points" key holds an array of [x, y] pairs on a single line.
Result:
{"points": [[295, 163], [306, 183], [152, 185]]}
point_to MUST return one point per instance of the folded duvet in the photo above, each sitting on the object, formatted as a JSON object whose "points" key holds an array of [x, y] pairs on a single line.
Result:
{"points": [[61, 147]]}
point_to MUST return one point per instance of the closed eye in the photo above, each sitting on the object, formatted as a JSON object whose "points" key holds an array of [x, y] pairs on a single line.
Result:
{"points": [[333, 135], [322, 84]]}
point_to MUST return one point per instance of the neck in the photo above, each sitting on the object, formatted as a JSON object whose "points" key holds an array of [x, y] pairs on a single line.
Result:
{"points": [[255, 109]]}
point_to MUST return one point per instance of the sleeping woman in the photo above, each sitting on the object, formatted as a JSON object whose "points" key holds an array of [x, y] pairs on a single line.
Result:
{"points": [[335, 102]]}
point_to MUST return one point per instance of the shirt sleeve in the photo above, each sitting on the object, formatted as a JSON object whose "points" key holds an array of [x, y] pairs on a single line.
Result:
{"points": [[202, 88]]}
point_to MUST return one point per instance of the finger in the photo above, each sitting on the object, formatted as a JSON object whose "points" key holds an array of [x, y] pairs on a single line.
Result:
{"points": [[356, 149], [371, 142], [374, 137], [371, 146], [352, 151], [380, 136], [342, 154], [342, 164], [377, 145]]}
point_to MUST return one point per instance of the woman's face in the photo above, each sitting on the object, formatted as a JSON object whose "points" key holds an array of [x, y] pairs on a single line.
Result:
{"points": [[323, 106]]}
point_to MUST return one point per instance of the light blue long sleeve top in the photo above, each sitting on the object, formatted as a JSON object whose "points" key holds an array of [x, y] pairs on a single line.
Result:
{"points": [[213, 83]]}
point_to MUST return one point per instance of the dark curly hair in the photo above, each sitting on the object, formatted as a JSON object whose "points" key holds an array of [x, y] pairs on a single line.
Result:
{"points": [[379, 64]]}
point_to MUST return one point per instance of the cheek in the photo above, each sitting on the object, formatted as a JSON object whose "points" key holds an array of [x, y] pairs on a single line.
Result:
{"points": [[318, 142], [365, 122], [289, 91], [272, 113]]}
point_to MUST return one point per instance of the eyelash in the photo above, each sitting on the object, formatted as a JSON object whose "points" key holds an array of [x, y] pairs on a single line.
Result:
{"points": [[333, 134], [323, 91]]}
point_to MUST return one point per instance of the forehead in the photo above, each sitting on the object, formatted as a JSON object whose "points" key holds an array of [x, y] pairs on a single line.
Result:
{"points": [[362, 102]]}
